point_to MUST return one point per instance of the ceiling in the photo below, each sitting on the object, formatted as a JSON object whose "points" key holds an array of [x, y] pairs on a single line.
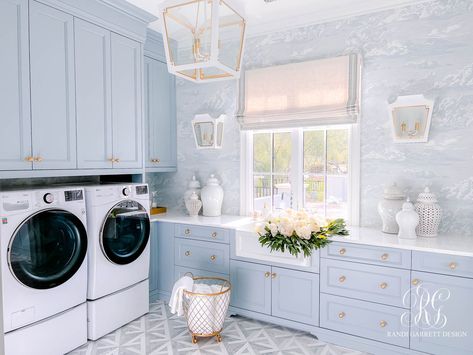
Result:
{"points": [[263, 17]]}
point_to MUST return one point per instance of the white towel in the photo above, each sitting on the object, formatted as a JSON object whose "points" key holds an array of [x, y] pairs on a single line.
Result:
{"points": [[175, 303]]}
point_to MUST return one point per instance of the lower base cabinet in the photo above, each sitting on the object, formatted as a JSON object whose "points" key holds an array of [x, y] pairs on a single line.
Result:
{"points": [[161, 277], [272, 291]]}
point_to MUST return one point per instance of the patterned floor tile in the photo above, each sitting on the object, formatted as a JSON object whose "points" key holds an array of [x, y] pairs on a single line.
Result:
{"points": [[161, 333]]}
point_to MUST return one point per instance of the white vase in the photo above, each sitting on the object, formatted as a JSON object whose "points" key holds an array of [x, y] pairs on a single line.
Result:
{"points": [[407, 219], [429, 212], [389, 207], [194, 186], [193, 204], [212, 197]]}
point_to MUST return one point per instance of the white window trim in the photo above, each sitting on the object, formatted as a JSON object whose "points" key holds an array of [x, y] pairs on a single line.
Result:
{"points": [[246, 172]]}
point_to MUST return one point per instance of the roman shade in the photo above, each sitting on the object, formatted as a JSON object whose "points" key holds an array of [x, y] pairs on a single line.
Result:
{"points": [[311, 93]]}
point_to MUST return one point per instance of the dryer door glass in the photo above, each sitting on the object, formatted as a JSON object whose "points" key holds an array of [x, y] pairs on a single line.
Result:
{"points": [[47, 249], [125, 232]]}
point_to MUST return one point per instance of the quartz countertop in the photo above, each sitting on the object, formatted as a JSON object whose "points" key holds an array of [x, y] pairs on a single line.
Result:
{"points": [[445, 244]]}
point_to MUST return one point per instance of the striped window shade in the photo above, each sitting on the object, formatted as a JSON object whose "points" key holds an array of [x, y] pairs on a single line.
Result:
{"points": [[312, 93]]}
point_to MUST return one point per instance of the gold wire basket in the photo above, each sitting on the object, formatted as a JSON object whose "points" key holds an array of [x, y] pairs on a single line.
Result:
{"points": [[205, 312]]}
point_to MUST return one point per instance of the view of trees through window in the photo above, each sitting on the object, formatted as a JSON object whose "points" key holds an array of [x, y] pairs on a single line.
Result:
{"points": [[317, 180]]}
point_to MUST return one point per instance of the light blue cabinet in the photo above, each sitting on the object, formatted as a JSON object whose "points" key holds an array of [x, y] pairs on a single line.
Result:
{"points": [[160, 116], [126, 102], [442, 304], [52, 88], [213, 257], [15, 123], [161, 276], [252, 286], [301, 305], [93, 96]]}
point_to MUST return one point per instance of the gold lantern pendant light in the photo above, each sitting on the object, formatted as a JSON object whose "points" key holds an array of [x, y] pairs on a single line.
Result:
{"points": [[203, 39]]}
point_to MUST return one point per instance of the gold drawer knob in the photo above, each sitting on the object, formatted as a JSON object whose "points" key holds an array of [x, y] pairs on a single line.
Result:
{"points": [[415, 282], [38, 159], [267, 274], [385, 256], [273, 275], [383, 323], [188, 253], [155, 161], [213, 257], [341, 315], [29, 159], [342, 251], [214, 235], [452, 265], [383, 285], [342, 279], [187, 231]]}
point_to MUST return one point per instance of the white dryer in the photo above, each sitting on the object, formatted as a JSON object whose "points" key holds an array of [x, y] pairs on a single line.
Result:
{"points": [[43, 242], [119, 256]]}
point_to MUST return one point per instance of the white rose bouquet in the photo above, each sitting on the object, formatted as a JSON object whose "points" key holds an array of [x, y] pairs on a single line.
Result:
{"points": [[298, 231]]}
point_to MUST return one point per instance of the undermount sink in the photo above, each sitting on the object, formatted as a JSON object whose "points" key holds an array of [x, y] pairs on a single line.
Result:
{"points": [[247, 245]]}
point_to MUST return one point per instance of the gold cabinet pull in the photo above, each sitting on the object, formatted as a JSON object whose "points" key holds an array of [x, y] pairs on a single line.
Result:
{"points": [[452, 265], [341, 315], [267, 274], [116, 160], [155, 161], [383, 323], [273, 275], [342, 279], [214, 235], [29, 159], [415, 282], [188, 253], [385, 256], [342, 251], [38, 159], [187, 231], [213, 257], [383, 285]]}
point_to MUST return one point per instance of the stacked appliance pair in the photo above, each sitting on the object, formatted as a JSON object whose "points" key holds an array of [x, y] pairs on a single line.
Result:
{"points": [[53, 299]]}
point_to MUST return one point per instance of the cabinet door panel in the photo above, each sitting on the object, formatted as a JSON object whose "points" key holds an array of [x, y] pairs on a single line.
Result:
{"points": [[295, 295], [160, 115], [15, 123], [449, 312], [251, 286], [161, 276], [52, 87], [126, 102], [93, 96]]}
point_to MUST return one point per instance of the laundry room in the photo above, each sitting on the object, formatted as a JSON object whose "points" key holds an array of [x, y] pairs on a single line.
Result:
{"points": [[236, 177]]}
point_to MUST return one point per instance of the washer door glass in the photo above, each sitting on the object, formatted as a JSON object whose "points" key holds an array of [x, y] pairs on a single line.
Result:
{"points": [[47, 249], [125, 232]]}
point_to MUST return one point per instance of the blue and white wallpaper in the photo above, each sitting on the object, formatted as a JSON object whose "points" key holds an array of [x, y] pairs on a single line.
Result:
{"points": [[421, 49]]}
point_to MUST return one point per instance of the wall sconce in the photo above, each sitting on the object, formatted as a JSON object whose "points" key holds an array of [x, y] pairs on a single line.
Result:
{"points": [[411, 117], [208, 131]]}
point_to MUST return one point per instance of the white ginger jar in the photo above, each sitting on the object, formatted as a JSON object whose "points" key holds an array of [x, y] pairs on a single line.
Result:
{"points": [[429, 212], [389, 206], [212, 197], [407, 219]]}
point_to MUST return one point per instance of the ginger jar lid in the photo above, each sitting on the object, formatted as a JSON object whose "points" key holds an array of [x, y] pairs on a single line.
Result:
{"points": [[427, 196], [393, 192], [194, 183], [212, 180]]}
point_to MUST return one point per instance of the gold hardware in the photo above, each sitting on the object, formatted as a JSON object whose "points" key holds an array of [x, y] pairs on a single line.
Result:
{"points": [[342, 251], [273, 275], [385, 256], [342, 278], [452, 265], [155, 160], [29, 159], [214, 235], [187, 231], [415, 282], [266, 274], [341, 315], [116, 160], [383, 285], [383, 323], [213, 257], [188, 253], [38, 159]]}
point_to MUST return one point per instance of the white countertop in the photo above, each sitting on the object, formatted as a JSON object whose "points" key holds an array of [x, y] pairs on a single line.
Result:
{"points": [[445, 244]]}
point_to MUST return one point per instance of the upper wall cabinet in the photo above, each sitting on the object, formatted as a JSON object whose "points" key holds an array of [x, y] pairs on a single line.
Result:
{"points": [[15, 132], [160, 108], [52, 88]]}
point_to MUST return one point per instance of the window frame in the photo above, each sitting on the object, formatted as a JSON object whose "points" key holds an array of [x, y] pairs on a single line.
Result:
{"points": [[297, 166]]}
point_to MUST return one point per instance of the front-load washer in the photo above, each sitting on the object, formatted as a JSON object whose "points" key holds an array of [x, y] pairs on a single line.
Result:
{"points": [[118, 256], [43, 244]]}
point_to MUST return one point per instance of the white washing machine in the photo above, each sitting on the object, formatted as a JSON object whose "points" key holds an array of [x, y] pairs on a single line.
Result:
{"points": [[43, 242], [118, 256]]}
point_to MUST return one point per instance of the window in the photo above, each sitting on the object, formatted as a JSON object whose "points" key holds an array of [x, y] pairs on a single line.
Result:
{"points": [[310, 168]]}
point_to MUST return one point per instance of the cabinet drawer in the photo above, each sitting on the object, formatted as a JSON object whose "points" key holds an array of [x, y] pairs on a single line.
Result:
{"points": [[366, 282], [205, 233], [202, 255], [442, 263], [368, 254], [364, 319]]}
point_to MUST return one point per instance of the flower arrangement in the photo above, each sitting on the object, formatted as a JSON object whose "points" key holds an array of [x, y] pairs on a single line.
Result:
{"points": [[298, 231]]}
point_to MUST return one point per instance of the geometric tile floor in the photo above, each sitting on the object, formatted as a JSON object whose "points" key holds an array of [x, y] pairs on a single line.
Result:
{"points": [[160, 332]]}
